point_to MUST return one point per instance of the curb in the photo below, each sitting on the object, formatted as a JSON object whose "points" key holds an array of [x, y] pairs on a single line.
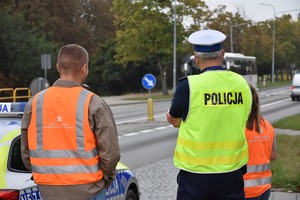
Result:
{"points": [[287, 131]]}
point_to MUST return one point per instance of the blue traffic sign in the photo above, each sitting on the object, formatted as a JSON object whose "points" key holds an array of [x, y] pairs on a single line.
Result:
{"points": [[148, 81]]}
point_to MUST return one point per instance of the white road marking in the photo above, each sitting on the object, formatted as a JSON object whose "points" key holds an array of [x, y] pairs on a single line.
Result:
{"points": [[273, 103], [161, 128], [144, 131], [147, 131], [131, 134], [139, 119]]}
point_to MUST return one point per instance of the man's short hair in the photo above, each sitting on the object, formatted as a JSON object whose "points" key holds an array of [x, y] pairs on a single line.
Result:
{"points": [[208, 55], [72, 58]]}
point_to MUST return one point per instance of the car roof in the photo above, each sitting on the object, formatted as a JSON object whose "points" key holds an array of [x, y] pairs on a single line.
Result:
{"points": [[12, 108]]}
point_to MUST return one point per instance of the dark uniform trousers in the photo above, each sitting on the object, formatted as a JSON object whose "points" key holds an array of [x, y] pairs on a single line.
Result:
{"points": [[222, 186]]}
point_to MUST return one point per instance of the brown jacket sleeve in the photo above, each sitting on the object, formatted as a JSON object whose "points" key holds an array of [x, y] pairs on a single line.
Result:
{"points": [[104, 127], [24, 134]]}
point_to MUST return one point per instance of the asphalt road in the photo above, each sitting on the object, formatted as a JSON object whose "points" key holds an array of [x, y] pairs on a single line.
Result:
{"points": [[143, 142]]}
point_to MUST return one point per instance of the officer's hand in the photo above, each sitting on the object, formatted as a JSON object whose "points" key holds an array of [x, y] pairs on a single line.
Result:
{"points": [[108, 182], [174, 121]]}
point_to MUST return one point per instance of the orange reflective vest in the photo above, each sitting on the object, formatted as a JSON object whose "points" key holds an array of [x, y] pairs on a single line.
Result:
{"points": [[258, 177], [62, 146]]}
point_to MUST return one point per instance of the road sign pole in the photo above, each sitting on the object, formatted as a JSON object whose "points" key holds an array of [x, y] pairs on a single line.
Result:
{"points": [[150, 107], [46, 63], [46, 73]]}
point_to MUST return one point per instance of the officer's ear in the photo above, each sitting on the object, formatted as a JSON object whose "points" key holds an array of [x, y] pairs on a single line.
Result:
{"points": [[222, 53], [84, 72], [57, 68], [197, 60], [85, 69]]}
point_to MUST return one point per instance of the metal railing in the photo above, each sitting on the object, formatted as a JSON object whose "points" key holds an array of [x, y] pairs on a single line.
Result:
{"points": [[14, 95]]}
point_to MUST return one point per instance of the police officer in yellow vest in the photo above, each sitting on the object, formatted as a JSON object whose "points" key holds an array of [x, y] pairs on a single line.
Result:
{"points": [[211, 110]]}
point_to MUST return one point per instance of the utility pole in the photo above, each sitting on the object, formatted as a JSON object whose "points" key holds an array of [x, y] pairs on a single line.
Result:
{"points": [[231, 35], [174, 50], [273, 41]]}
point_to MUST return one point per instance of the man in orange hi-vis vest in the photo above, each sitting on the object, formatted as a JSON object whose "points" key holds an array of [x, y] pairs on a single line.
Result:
{"points": [[69, 136], [262, 149]]}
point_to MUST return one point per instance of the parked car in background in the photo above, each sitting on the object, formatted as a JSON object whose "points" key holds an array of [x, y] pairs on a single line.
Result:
{"points": [[15, 180], [295, 92]]}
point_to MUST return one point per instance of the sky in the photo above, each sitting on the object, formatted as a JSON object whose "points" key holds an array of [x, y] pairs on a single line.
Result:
{"points": [[252, 10]]}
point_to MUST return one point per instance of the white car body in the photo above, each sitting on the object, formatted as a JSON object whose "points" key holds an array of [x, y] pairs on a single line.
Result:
{"points": [[295, 92]]}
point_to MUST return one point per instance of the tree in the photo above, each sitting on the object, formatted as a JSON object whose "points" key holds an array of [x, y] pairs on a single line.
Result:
{"points": [[250, 38], [222, 20], [20, 51], [109, 78], [85, 22], [145, 31], [286, 40]]}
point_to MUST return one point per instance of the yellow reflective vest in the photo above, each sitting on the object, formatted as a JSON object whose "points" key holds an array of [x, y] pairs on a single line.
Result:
{"points": [[212, 138]]}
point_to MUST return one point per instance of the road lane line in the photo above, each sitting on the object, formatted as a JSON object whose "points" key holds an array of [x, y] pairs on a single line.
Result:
{"points": [[147, 131], [273, 103], [131, 134], [161, 128], [144, 131], [139, 119]]}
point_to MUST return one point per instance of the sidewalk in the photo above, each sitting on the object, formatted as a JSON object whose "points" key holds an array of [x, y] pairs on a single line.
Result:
{"points": [[164, 173], [123, 99], [163, 186]]}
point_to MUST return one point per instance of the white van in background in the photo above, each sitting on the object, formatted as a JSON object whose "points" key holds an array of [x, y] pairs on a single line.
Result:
{"points": [[295, 93]]}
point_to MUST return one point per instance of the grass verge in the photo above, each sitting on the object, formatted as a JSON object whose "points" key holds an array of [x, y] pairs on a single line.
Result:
{"points": [[291, 122], [270, 85], [285, 169]]}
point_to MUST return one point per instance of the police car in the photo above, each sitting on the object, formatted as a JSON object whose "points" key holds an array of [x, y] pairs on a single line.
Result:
{"points": [[15, 179]]}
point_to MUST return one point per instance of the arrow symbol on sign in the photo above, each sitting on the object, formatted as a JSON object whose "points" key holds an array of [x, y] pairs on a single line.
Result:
{"points": [[149, 82]]}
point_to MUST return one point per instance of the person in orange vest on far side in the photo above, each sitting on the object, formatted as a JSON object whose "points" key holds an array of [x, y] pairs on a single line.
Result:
{"points": [[69, 137], [262, 149]]}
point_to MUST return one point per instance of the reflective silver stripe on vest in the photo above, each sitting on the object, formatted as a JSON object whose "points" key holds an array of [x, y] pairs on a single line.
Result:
{"points": [[64, 154], [258, 168], [65, 169], [257, 182], [79, 119], [39, 120]]}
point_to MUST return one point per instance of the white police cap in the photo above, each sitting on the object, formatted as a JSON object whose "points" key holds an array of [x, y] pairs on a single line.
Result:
{"points": [[207, 40]]}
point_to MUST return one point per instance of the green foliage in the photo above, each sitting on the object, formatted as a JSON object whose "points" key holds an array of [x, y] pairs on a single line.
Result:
{"points": [[143, 31], [20, 49], [30, 28], [87, 23], [107, 77]]}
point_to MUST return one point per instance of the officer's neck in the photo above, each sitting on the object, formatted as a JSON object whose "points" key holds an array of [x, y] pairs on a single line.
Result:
{"points": [[76, 79], [210, 63]]}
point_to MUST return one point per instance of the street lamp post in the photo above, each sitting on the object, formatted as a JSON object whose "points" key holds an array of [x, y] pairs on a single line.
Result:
{"points": [[231, 35], [174, 51], [273, 40]]}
